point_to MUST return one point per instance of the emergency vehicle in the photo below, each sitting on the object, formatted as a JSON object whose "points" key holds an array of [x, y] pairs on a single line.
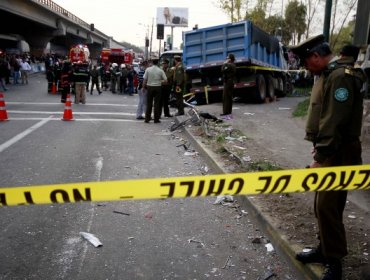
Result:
{"points": [[117, 55], [79, 53]]}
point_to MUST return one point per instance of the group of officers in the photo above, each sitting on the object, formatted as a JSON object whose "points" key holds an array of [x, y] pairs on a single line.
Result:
{"points": [[159, 82]]}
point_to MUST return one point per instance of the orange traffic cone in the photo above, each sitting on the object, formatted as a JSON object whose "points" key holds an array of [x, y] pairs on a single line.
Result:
{"points": [[68, 116], [3, 113], [53, 88]]}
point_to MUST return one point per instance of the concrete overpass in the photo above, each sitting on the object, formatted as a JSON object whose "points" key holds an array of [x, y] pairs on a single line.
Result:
{"points": [[39, 22]]}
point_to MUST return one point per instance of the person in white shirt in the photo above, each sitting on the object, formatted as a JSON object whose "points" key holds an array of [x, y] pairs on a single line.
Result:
{"points": [[25, 69], [154, 78]]}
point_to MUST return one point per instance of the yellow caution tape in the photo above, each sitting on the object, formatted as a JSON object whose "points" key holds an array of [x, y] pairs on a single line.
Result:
{"points": [[283, 181]]}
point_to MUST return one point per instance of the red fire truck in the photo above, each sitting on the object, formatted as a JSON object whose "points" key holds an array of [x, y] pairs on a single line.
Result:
{"points": [[79, 53], [118, 56]]}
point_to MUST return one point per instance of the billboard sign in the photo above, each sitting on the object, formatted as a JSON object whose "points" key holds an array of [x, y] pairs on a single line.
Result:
{"points": [[173, 16]]}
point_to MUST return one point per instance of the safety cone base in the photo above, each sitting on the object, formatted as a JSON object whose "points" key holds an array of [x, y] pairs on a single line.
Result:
{"points": [[67, 115], [3, 113]]}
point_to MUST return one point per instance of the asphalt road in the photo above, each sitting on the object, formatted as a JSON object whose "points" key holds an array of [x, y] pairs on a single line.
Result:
{"points": [[145, 239]]}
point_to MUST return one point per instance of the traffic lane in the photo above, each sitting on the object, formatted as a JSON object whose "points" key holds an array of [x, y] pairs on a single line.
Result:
{"points": [[69, 152]]}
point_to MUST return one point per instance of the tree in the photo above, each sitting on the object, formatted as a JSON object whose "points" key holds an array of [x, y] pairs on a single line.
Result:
{"points": [[312, 7], [295, 17], [232, 8], [340, 14]]}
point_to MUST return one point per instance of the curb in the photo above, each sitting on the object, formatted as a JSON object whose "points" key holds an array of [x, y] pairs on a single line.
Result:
{"points": [[288, 250]]}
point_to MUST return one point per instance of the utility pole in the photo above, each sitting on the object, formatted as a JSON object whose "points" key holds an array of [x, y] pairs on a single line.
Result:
{"points": [[151, 38], [327, 19]]}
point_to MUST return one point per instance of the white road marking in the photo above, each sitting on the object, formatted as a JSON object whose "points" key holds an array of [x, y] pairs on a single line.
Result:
{"points": [[74, 112], [23, 134], [83, 120], [87, 104]]}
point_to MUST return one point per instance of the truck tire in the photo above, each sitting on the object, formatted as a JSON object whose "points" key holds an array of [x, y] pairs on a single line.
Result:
{"points": [[260, 90], [280, 91], [270, 87]]}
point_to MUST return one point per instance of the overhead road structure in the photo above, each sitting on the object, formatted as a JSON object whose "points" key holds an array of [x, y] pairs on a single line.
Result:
{"points": [[39, 22]]}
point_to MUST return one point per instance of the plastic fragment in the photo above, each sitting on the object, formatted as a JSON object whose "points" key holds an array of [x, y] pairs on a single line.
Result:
{"points": [[223, 198], [269, 247], [91, 238]]}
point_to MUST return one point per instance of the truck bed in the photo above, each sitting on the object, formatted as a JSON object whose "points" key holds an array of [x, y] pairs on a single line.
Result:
{"points": [[209, 47]]}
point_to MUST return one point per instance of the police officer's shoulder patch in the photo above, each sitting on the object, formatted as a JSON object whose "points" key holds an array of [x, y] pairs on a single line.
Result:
{"points": [[341, 94]]}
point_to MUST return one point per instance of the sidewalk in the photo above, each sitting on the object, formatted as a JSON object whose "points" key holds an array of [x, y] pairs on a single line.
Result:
{"points": [[360, 200]]}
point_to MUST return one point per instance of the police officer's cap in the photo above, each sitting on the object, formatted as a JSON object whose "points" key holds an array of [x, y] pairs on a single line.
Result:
{"points": [[231, 56], [307, 47], [177, 57], [351, 51]]}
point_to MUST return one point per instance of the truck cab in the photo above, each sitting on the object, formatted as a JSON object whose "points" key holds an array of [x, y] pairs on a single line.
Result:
{"points": [[170, 56]]}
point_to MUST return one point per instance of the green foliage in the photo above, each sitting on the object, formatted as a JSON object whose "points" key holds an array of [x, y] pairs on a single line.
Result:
{"points": [[263, 166], [302, 108], [342, 38], [295, 18], [232, 8]]}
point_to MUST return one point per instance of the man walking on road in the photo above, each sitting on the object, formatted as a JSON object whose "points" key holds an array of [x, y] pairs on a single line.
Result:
{"points": [[154, 78], [334, 127]]}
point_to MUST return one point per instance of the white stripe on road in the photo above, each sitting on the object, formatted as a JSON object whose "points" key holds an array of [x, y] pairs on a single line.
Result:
{"points": [[74, 112], [18, 137], [83, 120], [87, 104]]}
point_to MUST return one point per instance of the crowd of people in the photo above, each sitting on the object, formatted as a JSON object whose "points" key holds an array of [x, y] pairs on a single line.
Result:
{"points": [[81, 77], [14, 69]]}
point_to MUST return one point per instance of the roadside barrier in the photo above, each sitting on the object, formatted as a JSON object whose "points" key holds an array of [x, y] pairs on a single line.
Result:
{"points": [[68, 115], [343, 178], [3, 113]]}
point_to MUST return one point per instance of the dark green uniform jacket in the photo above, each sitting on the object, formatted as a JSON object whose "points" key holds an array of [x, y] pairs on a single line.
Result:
{"points": [[335, 111]]}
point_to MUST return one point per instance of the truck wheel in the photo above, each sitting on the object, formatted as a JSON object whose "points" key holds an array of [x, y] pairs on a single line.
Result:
{"points": [[280, 91], [270, 87], [260, 90]]}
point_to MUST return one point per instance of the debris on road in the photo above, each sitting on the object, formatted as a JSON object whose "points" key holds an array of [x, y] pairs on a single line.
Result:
{"points": [[269, 247], [91, 238], [122, 213], [224, 199], [196, 241]]}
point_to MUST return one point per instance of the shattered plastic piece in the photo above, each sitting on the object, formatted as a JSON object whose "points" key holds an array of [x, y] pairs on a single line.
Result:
{"points": [[239, 147], [230, 138], [91, 238], [269, 247], [195, 241], [223, 198], [352, 216], [187, 153], [250, 114], [246, 158], [284, 108]]}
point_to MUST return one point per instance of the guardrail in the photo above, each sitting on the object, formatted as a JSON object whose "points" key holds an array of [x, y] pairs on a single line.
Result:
{"points": [[60, 10]]}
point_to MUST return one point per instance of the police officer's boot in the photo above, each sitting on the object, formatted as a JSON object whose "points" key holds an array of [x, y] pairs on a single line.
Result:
{"points": [[333, 270], [313, 256]]}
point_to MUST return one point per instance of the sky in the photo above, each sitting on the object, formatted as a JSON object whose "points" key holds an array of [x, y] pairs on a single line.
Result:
{"points": [[130, 20]]}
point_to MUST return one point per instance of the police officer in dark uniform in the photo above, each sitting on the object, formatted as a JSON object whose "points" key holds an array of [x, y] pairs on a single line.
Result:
{"points": [[179, 84], [334, 127], [166, 88], [228, 71]]}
